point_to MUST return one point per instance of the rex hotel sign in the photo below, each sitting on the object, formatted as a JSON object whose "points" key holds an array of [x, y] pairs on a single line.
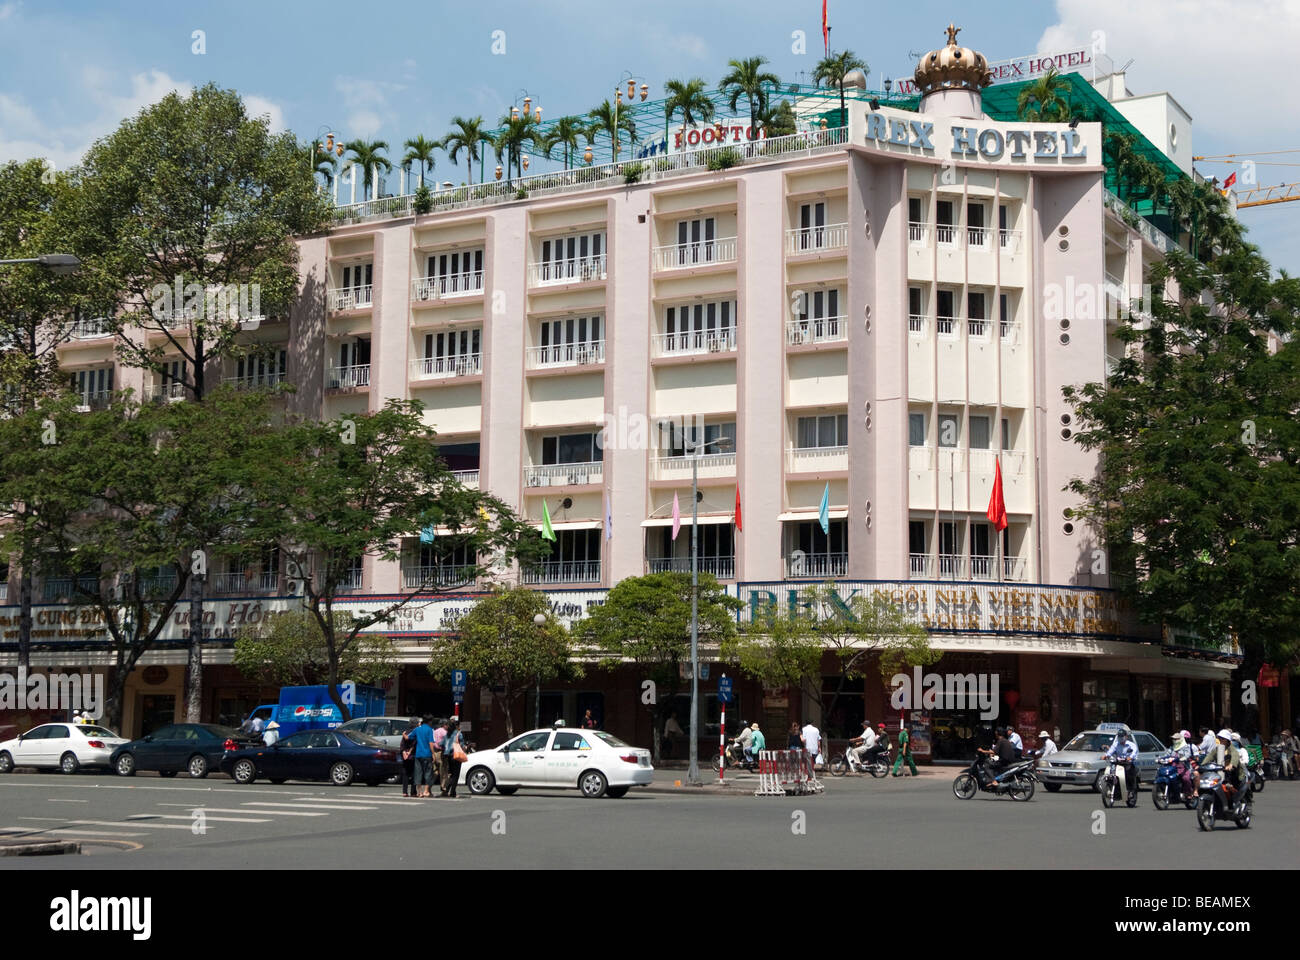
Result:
{"points": [[924, 136]]}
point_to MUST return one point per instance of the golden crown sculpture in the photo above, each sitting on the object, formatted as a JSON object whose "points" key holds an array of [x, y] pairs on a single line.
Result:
{"points": [[952, 68]]}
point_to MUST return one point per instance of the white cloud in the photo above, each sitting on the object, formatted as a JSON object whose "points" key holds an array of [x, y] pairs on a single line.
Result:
{"points": [[7, 10], [261, 106], [368, 105]]}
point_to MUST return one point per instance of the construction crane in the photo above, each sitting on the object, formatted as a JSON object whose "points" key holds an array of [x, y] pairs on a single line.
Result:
{"points": [[1260, 196]]}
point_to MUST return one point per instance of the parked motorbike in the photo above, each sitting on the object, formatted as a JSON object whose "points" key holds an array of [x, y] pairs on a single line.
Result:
{"points": [[1017, 781], [1115, 768], [1169, 786], [1215, 804], [735, 755], [875, 763]]}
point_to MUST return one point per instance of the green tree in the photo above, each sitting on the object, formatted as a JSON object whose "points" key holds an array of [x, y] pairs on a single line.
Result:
{"points": [[361, 486], [369, 156], [1197, 491], [690, 98], [501, 648], [1045, 100], [515, 132], [748, 79], [564, 133], [778, 120], [1206, 216], [125, 494], [465, 136], [785, 648], [288, 650], [420, 150], [647, 621], [320, 161], [612, 122], [832, 69]]}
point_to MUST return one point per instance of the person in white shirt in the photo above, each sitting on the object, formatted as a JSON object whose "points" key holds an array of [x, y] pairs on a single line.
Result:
{"points": [[745, 739], [272, 733], [1016, 741], [812, 741], [867, 742], [1049, 745], [1208, 743], [258, 725]]}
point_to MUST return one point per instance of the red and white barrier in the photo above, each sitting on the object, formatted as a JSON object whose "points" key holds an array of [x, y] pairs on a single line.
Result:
{"points": [[782, 772]]}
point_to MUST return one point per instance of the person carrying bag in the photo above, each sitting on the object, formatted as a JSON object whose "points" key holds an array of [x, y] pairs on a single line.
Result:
{"points": [[453, 755]]}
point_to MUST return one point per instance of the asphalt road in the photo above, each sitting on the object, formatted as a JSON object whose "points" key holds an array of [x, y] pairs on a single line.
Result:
{"points": [[149, 822]]}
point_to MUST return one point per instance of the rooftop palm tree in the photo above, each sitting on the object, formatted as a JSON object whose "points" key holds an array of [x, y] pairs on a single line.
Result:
{"points": [[419, 150], [515, 131], [465, 135], [747, 79], [778, 120], [368, 156], [832, 68], [1044, 100], [321, 161], [611, 121], [690, 99], [565, 132]]}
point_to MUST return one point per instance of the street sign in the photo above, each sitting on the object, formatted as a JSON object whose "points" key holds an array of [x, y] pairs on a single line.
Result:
{"points": [[724, 689], [458, 678]]}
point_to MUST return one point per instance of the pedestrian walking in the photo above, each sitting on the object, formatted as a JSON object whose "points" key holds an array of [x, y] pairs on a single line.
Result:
{"points": [[812, 742], [423, 735], [589, 722], [453, 755], [795, 740], [439, 738], [904, 752], [272, 733], [407, 748]]}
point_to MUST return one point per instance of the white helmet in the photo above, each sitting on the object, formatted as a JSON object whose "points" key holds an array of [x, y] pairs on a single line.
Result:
{"points": [[1224, 734]]}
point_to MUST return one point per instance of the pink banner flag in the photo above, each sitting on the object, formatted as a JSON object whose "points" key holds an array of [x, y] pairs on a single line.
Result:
{"points": [[677, 516]]}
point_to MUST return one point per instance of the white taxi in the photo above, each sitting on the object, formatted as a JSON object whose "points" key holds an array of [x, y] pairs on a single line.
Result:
{"points": [[63, 746], [593, 761]]}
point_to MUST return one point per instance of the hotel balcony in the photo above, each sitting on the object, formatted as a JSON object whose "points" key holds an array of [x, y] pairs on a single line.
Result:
{"points": [[920, 566], [1011, 241], [157, 586], [817, 330], [340, 299], [979, 567], [350, 581], [576, 270], [446, 288], [816, 565], [466, 478], [918, 233], [566, 355], [258, 381], [94, 401], [916, 324], [724, 568], [438, 577], [693, 342], [832, 236], [564, 474], [444, 368], [816, 459], [946, 326], [245, 582], [348, 378], [4, 591], [65, 588], [710, 465], [563, 571], [703, 253], [89, 329], [160, 392]]}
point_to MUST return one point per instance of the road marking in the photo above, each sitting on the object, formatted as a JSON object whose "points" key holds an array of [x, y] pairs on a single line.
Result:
{"points": [[62, 831], [44, 782], [393, 803], [109, 823], [309, 806], [269, 813], [64, 800], [179, 816]]}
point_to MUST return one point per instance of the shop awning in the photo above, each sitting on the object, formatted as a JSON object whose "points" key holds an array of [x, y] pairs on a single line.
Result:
{"points": [[839, 514], [686, 521]]}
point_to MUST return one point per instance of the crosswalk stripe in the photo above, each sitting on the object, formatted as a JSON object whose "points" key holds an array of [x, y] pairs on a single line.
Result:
{"points": [[324, 800], [269, 813], [181, 816], [109, 823], [309, 806], [67, 832]]}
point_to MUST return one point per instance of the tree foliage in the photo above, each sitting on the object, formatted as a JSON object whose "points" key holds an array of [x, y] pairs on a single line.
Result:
{"points": [[288, 650], [501, 647]]}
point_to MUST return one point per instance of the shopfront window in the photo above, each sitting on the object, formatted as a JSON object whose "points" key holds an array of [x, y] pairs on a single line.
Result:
{"points": [[1106, 700], [845, 712]]}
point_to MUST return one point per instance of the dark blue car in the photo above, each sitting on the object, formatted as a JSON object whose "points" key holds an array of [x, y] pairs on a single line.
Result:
{"points": [[339, 756]]}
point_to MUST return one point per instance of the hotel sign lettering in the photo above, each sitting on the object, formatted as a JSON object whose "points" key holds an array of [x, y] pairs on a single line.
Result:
{"points": [[987, 142]]}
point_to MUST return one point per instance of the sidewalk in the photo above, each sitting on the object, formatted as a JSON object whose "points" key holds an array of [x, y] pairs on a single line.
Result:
{"points": [[670, 778]]}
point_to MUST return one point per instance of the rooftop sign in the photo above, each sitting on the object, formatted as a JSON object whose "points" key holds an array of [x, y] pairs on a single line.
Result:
{"points": [[1021, 68]]}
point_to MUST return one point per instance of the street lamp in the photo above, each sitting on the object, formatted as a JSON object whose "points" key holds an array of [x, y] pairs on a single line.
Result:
{"points": [[540, 620], [694, 447], [59, 264], [618, 100]]}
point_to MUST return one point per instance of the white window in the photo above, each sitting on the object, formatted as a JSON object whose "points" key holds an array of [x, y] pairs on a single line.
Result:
{"points": [[452, 352], [358, 278], [977, 317], [577, 257], [716, 437], [826, 430], [455, 271], [700, 326], [916, 429], [915, 310], [572, 448], [979, 433], [695, 241], [262, 370], [93, 386], [812, 226]]}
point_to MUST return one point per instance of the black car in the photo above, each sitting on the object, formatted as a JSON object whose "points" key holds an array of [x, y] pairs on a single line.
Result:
{"points": [[194, 747], [339, 756]]}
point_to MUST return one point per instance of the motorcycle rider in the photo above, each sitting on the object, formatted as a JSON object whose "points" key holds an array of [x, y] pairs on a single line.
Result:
{"points": [[863, 745], [1186, 753], [744, 740], [1016, 741], [1238, 768], [1049, 745], [997, 759], [1123, 748]]}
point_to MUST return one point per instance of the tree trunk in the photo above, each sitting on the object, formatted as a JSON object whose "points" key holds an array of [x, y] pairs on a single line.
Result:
{"points": [[116, 693], [194, 667], [25, 616]]}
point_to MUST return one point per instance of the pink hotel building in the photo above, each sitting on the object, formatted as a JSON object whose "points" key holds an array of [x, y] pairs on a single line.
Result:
{"points": [[882, 312]]}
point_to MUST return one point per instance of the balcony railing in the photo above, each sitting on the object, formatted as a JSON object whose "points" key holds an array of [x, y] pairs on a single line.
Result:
{"points": [[921, 566], [977, 237], [89, 329], [440, 368], [94, 401], [920, 457], [916, 323], [245, 581], [62, 588], [810, 459], [156, 586], [350, 298], [575, 270], [952, 566], [800, 564], [917, 233], [1151, 233], [350, 581], [256, 381], [1013, 461], [694, 341], [724, 568], [944, 326], [679, 468], [564, 474], [831, 236], [662, 167], [1011, 241], [349, 378], [1009, 330], [676, 256], [566, 355], [158, 392], [1015, 568], [945, 233], [447, 287], [562, 571], [983, 568], [1114, 287], [977, 328], [438, 576], [816, 330], [466, 478]]}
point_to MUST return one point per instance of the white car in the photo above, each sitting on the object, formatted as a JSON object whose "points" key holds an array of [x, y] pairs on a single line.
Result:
{"points": [[593, 761], [67, 746]]}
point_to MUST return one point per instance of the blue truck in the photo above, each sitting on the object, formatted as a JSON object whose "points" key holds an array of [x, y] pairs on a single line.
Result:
{"points": [[310, 708]]}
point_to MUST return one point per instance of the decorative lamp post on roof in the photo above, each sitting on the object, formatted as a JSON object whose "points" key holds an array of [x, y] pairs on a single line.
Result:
{"points": [[618, 101]]}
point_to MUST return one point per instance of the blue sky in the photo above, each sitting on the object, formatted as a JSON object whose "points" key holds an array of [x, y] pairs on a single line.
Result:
{"points": [[72, 70]]}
